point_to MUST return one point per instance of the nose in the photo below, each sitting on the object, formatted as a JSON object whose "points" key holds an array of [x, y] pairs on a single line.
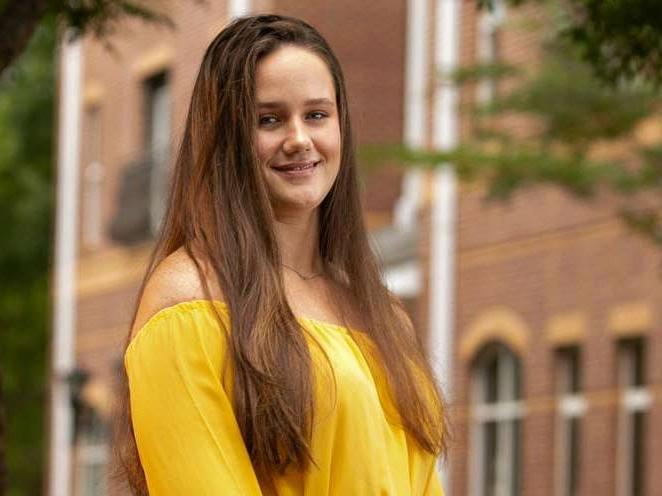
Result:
{"points": [[298, 138]]}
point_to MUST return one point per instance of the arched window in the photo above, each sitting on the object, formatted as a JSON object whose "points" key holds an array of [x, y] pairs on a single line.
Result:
{"points": [[496, 413], [571, 408]]}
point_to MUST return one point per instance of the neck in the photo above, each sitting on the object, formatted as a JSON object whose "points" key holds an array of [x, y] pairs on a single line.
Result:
{"points": [[298, 240]]}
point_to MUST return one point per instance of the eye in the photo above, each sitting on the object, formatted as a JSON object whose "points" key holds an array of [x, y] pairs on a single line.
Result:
{"points": [[317, 115], [267, 120]]}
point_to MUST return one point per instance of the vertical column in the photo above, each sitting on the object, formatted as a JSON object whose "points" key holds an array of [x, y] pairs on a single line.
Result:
{"points": [[444, 200], [237, 8], [416, 77], [66, 239], [416, 73]]}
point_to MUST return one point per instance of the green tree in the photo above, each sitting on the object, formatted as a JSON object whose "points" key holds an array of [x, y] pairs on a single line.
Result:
{"points": [[3, 428], [574, 114], [597, 82], [26, 199], [27, 90], [20, 18], [28, 40], [619, 39]]}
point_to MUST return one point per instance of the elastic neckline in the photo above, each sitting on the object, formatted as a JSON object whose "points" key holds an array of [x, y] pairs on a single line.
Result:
{"points": [[198, 302]]}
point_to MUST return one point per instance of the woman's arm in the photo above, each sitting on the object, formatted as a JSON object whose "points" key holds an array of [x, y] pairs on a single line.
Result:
{"points": [[186, 433]]}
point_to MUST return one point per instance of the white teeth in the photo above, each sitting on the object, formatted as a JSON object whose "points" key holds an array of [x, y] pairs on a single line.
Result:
{"points": [[300, 167]]}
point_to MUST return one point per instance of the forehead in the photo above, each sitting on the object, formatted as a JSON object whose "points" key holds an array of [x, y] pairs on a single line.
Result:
{"points": [[293, 72]]}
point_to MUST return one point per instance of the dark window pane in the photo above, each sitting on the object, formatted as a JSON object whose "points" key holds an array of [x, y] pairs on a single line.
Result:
{"points": [[638, 373], [568, 370], [573, 369], [517, 388], [572, 471], [491, 372], [632, 357], [516, 450], [156, 96], [637, 450], [490, 459]]}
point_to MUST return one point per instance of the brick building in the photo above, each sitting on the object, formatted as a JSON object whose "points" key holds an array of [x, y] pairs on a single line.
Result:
{"points": [[542, 315]]}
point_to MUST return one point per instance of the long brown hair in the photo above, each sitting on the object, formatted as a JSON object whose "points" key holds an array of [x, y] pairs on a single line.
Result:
{"points": [[219, 208]]}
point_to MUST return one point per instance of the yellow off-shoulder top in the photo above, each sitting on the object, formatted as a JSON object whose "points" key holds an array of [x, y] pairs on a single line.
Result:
{"points": [[189, 441]]}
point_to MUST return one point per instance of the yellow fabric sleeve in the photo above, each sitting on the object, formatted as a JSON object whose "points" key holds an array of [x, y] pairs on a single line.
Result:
{"points": [[187, 435], [434, 487]]}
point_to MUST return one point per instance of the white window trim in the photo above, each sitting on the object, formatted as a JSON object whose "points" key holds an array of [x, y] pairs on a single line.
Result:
{"points": [[570, 406], [637, 399], [502, 412], [634, 399], [506, 410], [405, 280]]}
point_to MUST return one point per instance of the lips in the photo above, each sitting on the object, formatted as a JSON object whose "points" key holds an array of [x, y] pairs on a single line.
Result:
{"points": [[297, 171], [296, 166]]}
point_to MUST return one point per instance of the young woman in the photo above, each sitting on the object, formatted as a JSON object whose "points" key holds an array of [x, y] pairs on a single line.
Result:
{"points": [[266, 356]]}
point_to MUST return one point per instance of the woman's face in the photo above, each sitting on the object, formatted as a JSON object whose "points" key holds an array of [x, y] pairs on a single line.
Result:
{"points": [[298, 131]]}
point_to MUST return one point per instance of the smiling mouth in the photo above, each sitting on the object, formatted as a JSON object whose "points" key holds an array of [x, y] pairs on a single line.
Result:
{"points": [[296, 166]]}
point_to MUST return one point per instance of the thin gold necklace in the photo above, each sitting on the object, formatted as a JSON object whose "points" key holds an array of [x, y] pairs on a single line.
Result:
{"points": [[305, 278]]}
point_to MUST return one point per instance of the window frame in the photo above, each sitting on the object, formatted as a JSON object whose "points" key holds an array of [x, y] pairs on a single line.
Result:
{"points": [[506, 410], [571, 407], [635, 401], [157, 91]]}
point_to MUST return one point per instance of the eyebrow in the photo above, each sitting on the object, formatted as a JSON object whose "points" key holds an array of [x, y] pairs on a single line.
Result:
{"points": [[312, 101]]}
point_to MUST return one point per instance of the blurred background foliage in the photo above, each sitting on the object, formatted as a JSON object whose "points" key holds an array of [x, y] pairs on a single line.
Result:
{"points": [[569, 121], [619, 39], [28, 40], [26, 218], [19, 18]]}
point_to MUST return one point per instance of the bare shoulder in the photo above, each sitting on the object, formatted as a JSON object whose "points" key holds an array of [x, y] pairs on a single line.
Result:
{"points": [[176, 279]]}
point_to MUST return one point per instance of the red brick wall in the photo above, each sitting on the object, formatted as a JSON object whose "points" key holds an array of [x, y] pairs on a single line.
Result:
{"points": [[539, 255]]}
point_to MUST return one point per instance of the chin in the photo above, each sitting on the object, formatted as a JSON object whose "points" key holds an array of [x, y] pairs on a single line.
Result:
{"points": [[305, 204], [299, 202]]}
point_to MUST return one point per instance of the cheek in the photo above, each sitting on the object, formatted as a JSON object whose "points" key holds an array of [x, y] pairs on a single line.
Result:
{"points": [[264, 146], [331, 144]]}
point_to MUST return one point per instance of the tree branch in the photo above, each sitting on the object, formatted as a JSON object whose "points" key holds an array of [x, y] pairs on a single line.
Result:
{"points": [[18, 21], [3, 466]]}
